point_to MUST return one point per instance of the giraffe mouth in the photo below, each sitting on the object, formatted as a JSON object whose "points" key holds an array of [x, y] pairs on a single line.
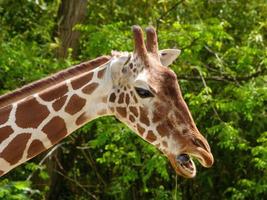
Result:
{"points": [[183, 165], [187, 164]]}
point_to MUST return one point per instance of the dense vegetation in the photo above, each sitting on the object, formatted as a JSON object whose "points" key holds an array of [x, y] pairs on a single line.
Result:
{"points": [[222, 73]]}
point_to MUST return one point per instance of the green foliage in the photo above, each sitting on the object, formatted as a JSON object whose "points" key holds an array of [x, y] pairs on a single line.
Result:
{"points": [[222, 73], [114, 36], [17, 190]]}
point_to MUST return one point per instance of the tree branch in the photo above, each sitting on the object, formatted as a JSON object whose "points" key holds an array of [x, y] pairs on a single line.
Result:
{"points": [[224, 78], [48, 155], [77, 183], [91, 163], [165, 14], [206, 90]]}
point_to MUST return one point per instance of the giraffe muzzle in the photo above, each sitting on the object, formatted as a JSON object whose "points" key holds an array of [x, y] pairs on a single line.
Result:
{"points": [[205, 158], [184, 165]]}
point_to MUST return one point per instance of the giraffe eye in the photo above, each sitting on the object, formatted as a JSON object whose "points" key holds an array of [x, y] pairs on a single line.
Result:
{"points": [[143, 93]]}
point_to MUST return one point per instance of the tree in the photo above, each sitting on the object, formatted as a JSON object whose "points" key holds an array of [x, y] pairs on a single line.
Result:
{"points": [[70, 13], [222, 73]]}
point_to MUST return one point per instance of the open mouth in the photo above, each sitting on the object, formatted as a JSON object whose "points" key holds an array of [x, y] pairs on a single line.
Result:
{"points": [[183, 165], [186, 165]]}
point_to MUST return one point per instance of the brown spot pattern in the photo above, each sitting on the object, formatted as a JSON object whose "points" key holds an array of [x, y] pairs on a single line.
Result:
{"points": [[156, 117], [121, 111], [127, 99], [58, 104], [134, 111], [151, 136], [75, 104], [101, 73], [81, 81], [170, 124], [90, 88], [35, 148], [54, 93], [112, 97], [162, 129], [81, 119], [14, 150], [140, 129], [4, 114], [159, 112], [55, 129], [121, 98], [1, 172], [132, 119], [5, 132], [30, 113], [144, 116]]}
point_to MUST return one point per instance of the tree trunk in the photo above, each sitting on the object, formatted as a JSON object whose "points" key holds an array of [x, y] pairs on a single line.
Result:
{"points": [[70, 13]]}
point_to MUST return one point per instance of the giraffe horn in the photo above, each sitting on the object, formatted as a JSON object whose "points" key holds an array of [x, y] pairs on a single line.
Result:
{"points": [[139, 44], [152, 41]]}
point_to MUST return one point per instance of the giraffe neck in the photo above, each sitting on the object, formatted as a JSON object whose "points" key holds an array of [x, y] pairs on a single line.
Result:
{"points": [[38, 121]]}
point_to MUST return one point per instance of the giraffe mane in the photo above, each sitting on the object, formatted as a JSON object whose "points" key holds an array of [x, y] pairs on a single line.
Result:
{"points": [[36, 86]]}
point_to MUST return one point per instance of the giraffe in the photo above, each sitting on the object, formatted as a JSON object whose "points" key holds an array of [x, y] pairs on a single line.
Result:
{"points": [[136, 87]]}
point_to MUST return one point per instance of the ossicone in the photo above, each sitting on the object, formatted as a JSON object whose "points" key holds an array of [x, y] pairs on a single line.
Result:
{"points": [[139, 44], [143, 49]]}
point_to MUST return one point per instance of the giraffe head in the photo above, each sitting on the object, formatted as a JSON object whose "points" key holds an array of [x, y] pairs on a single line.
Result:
{"points": [[146, 96]]}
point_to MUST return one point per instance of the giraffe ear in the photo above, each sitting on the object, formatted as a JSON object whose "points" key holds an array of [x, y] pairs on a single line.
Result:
{"points": [[167, 56]]}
